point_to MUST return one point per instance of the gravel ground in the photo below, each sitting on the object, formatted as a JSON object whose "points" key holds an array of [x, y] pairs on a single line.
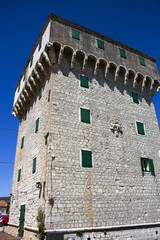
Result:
{"points": [[5, 236]]}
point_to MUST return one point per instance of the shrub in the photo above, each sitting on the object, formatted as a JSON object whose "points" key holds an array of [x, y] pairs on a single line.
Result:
{"points": [[40, 223], [1, 224]]}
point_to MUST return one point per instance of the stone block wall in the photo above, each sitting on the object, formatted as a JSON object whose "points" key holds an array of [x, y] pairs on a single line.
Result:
{"points": [[114, 191], [140, 234], [26, 192]]}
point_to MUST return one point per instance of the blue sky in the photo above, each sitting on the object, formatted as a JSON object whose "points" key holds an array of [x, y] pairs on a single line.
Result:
{"points": [[135, 23]]}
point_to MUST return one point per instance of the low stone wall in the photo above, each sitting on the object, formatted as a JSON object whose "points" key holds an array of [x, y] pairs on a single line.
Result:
{"points": [[134, 234], [28, 234], [13, 230]]}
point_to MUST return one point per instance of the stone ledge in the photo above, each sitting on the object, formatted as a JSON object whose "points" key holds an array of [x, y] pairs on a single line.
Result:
{"points": [[108, 228]]}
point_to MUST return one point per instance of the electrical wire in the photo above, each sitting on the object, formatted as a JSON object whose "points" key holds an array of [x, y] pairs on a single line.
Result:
{"points": [[9, 129], [8, 162]]}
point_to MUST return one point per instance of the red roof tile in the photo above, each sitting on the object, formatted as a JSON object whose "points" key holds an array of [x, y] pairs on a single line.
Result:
{"points": [[3, 203]]}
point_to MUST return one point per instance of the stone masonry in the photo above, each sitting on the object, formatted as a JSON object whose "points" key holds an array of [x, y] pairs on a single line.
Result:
{"points": [[117, 197]]}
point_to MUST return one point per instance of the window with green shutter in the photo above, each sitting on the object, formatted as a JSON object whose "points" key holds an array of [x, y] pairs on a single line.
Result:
{"points": [[31, 62], [147, 166], [84, 81], [75, 34], [140, 128], [142, 61], [122, 53], [25, 115], [86, 158], [40, 44], [19, 175], [100, 44], [135, 97], [22, 142], [37, 125], [34, 165], [85, 115], [40, 93]]}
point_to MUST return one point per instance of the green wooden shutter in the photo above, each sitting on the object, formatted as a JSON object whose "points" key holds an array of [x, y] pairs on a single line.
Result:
{"points": [[40, 44], [75, 34], [40, 93], [31, 62], [19, 175], [142, 167], [21, 221], [34, 165], [85, 115], [135, 97], [151, 167], [25, 116], [84, 81], [22, 142], [140, 128], [142, 61], [86, 158], [37, 125], [100, 44], [122, 53]]}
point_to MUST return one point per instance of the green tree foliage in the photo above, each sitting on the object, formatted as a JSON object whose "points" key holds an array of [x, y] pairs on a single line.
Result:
{"points": [[8, 207], [41, 223]]}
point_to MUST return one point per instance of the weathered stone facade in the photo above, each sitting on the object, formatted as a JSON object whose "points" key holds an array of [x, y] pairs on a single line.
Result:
{"points": [[116, 197]]}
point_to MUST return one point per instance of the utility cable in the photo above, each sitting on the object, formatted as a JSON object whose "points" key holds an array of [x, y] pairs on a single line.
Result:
{"points": [[8, 162]]}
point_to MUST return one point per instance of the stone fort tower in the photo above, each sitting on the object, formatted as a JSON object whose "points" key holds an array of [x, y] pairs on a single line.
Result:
{"points": [[88, 141]]}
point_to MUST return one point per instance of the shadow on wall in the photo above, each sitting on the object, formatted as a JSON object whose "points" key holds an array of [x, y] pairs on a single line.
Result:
{"points": [[110, 75]]}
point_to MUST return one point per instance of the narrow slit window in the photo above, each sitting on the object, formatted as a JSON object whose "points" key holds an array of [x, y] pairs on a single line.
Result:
{"points": [[25, 115], [122, 53], [18, 87], [86, 158], [49, 95], [40, 44], [75, 34], [22, 142], [24, 75], [100, 44], [84, 81], [140, 128], [40, 93], [37, 125], [34, 165], [19, 175], [135, 97], [85, 115], [31, 62]]}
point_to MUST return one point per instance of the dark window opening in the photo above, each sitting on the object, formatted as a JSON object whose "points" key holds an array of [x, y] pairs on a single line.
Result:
{"points": [[49, 93], [46, 138], [147, 165]]}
